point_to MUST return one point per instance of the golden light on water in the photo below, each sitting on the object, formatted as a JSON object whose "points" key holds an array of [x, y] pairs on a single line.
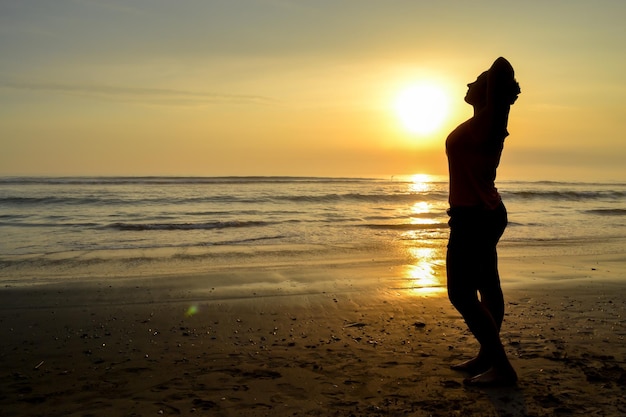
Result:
{"points": [[424, 274], [419, 183], [421, 211]]}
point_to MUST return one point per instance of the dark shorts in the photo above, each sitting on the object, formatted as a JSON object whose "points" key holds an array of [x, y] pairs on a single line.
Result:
{"points": [[472, 259], [476, 227]]}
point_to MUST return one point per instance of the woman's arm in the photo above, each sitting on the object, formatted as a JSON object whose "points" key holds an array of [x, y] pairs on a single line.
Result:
{"points": [[492, 120], [499, 76]]}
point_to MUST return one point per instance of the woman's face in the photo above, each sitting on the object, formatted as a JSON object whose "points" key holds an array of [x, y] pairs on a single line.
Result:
{"points": [[477, 91]]}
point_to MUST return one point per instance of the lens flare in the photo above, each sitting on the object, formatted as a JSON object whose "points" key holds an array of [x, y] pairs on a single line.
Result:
{"points": [[192, 310]]}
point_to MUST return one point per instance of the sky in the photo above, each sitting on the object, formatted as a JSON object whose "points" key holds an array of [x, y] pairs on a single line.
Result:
{"points": [[286, 87]]}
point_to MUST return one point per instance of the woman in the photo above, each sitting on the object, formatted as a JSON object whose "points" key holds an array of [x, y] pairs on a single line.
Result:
{"points": [[478, 219]]}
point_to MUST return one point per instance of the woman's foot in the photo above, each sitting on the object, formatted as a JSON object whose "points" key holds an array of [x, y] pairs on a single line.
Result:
{"points": [[494, 377], [474, 366]]}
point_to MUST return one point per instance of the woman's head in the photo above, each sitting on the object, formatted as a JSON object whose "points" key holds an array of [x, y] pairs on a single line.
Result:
{"points": [[501, 79]]}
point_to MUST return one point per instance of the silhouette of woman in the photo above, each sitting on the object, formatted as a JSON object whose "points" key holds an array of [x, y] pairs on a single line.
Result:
{"points": [[478, 219]]}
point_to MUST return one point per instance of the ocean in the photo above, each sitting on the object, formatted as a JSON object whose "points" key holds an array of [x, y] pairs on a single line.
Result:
{"points": [[56, 228]]}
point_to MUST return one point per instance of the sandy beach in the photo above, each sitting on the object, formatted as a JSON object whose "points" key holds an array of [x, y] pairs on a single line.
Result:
{"points": [[341, 339]]}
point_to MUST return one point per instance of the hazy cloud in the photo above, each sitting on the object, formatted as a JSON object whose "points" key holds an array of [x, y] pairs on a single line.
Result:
{"points": [[147, 95]]}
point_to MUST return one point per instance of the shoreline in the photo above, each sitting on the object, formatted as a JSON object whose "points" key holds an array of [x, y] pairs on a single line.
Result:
{"points": [[337, 338]]}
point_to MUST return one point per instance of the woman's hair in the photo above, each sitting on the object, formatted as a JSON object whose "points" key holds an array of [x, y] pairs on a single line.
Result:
{"points": [[511, 91], [505, 85]]}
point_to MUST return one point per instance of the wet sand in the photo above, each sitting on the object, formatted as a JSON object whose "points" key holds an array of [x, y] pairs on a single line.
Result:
{"points": [[340, 340]]}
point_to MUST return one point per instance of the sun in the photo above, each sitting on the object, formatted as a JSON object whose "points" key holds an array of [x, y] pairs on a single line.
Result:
{"points": [[422, 108]]}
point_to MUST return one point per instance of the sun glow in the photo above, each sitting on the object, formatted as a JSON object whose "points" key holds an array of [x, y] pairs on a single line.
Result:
{"points": [[422, 108]]}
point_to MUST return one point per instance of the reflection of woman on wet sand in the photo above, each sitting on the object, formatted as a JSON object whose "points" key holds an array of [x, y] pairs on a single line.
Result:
{"points": [[478, 219]]}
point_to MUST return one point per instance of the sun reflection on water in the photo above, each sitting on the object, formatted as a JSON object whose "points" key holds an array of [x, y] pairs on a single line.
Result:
{"points": [[420, 183], [425, 272]]}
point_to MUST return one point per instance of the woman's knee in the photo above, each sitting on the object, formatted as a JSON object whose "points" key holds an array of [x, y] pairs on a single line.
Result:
{"points": [[463, 299], [492, 294]]}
